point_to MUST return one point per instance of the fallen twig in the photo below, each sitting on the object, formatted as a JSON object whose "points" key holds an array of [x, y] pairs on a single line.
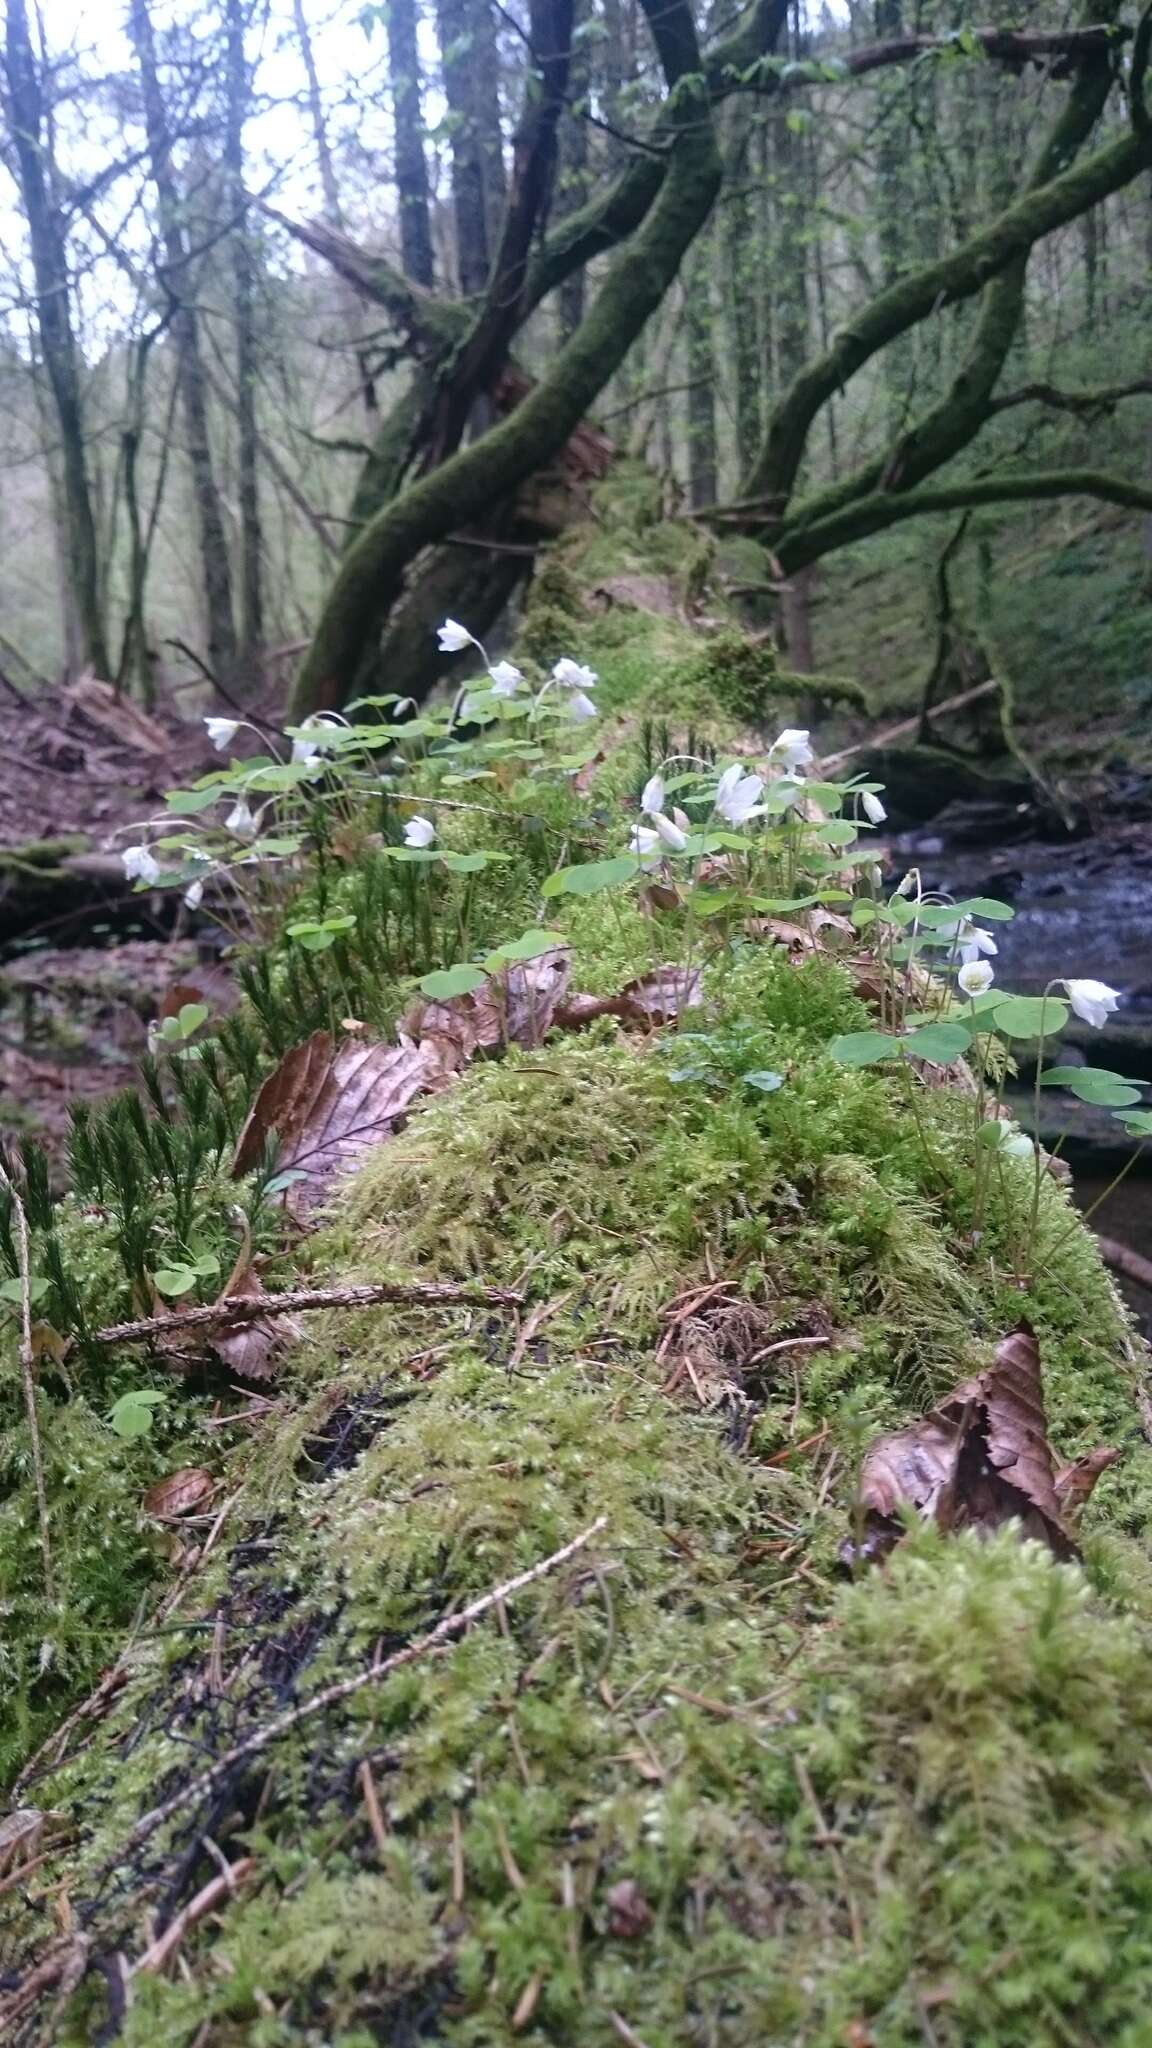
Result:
{"points": [[897, 732], [1122, 1259], [255, 1308], [425, 1646], [165, 1946], [28, 1374]]}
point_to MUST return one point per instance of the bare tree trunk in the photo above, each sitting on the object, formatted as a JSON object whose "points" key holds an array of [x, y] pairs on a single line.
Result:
{"points": [[333, 211], [471, 87], [36, 170], [701, 394], [572, 183], [176, 280], [251, 532], [411, 164]]}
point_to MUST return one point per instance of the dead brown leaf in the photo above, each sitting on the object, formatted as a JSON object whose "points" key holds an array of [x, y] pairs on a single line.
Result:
{"points": [[980, 1459], [653, 998], [328, 1108], [252, 1349], [181, 1493], [629, 1913], [1075, 1483]]}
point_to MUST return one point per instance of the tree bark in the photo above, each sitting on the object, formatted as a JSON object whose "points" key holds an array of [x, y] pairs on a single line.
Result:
{"points": [[471, 86], [176, 280], [373, 571], [46, 235], [701, 392], [243, 277], [411, 165]]}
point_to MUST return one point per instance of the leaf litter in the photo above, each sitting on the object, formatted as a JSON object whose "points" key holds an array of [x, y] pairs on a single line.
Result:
{"points": [[980, 1459]]}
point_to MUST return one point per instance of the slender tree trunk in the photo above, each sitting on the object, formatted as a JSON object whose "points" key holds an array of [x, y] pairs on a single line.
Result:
{"points": [[739, 269], [471, 87], [46, 234], [177, 281], [701, 393], [411, 164], [572, 183], [351, 315], [243, 268]]}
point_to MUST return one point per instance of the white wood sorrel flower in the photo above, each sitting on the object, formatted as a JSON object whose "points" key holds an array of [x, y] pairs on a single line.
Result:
{"points": [[222, 731], [1093, 1000], [140, 865], [790, 751], [572, 675], [419, 832], [975, 977], [505, 678], [454, 637], [737, 795], [873, 808]]}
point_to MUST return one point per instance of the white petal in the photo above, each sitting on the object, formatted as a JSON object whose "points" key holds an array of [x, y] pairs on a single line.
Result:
{"points": [[453, 637], [222, 731], [572, 675], [873, 808], [975, 977], [419, 832], [506, 679], [652, 799], [580, 706], [1093, 1000], [140, 865], [194, 895], [670, 834], [240, 821]]}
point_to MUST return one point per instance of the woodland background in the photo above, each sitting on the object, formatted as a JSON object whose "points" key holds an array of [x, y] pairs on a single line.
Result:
{"points": [[260, 277]]}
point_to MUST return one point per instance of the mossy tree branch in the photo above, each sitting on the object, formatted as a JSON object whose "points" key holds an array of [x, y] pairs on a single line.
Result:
{"points": [[373, 570], [799, 545], [955, 277], [946, 428]]}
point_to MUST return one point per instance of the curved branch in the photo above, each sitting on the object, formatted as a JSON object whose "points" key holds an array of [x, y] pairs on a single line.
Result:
{"points": [[797, 546], [1085, 403], [374, 567], [911, 299], [948, 427]]}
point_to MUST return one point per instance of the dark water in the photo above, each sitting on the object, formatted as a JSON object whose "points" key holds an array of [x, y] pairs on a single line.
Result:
{"points": [[1083, 908]]}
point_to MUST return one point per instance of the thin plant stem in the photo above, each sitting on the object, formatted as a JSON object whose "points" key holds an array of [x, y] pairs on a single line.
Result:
{"points": [[28, 1377]]}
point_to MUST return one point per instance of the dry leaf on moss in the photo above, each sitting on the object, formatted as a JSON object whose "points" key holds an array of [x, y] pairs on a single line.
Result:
{"points": [[980, 1459], [181, 1493], [653, 998], [327, 1108], [1076, 1483], [629, 1913]]}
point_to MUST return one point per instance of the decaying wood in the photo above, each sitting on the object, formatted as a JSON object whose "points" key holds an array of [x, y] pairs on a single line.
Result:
{"points": [[429, 1645], [1122, 1259]]}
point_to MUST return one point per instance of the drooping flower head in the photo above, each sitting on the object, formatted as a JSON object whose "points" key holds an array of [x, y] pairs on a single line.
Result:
{"points": [[316, 733], [737, 795], [194, 894], [872, 807], [505, 678], [790, 751], [140, 865], [222, 731], [419, 832], [581, 706], [652, 796], [1093, 1000], [645, 844], [240, 820], [453, 637], [572, 675], [974, 941]]}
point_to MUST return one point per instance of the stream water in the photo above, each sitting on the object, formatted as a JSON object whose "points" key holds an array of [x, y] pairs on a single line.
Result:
{"points": [[1084, 908]]}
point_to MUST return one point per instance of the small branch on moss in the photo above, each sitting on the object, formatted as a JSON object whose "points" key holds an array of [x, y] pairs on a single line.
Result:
{"points": [[165, 1946], [430, 1645], [28, 1375], [256, 1308]]}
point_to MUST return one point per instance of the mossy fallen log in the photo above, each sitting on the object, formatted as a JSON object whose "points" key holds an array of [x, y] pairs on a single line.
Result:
{"points": [[693, 1782]]}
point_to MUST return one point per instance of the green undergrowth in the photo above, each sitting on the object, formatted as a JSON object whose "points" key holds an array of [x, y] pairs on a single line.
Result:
{"points": [[696, 1780]]}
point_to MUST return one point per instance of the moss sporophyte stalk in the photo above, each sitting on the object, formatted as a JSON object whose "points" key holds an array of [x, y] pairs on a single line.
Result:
{"points": [[757, 1212]]}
